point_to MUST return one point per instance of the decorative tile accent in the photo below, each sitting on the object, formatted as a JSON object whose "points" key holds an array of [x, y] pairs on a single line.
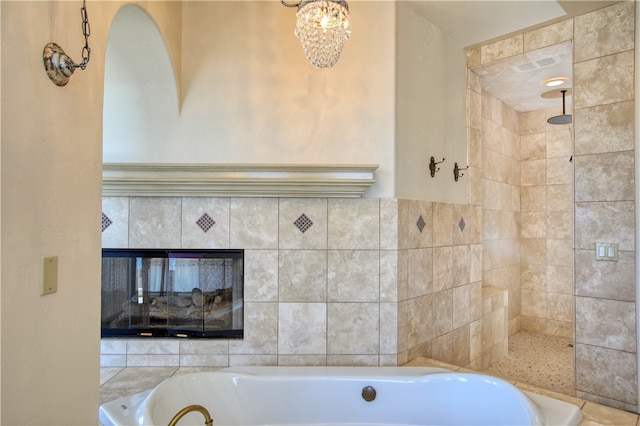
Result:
{"points": [[106, 222], [303, 223], [420, 223], [461, 224], [205, 222]]}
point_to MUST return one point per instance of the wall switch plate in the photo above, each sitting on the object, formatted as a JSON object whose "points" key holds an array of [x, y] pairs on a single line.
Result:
{"points": [[607, 251], [49, 275]]}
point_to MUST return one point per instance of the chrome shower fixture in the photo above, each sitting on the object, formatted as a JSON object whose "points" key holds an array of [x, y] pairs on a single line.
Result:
{"points": [[564, 118]]}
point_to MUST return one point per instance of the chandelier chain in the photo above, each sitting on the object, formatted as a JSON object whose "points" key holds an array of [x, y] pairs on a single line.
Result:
{"points": [[86, 32]]}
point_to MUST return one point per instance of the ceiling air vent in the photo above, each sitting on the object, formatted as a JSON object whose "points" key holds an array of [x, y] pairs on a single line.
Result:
{"points": [[536, 65]]}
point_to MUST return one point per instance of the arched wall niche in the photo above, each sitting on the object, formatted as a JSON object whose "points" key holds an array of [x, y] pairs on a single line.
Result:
{"points": [[141, 94]]}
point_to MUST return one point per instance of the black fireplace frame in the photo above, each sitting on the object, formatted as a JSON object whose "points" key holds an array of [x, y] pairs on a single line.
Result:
{"points": [[175, 332]]}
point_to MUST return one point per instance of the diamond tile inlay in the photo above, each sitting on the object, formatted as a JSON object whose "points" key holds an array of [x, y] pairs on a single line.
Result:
{"points": [[303, 223], [106, 222], [420, 223], [205, 222], [461, 224]]}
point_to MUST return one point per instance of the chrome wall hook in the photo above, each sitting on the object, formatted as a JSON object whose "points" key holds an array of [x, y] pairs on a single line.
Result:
{"points": [[432, 166], [457, 170]]}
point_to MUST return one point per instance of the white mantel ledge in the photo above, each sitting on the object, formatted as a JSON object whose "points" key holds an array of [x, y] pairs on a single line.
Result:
{"points": [[236, 180]]}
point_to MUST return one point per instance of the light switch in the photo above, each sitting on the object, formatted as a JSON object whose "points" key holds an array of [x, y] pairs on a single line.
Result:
{"points": [[607, 251], [49, 275]]}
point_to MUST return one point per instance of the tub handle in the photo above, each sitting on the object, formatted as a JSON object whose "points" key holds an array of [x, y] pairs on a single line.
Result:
{"points": [[368, 393]]}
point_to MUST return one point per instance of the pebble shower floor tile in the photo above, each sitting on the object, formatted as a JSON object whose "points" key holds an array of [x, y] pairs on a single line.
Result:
{"points": [[543, 361]]}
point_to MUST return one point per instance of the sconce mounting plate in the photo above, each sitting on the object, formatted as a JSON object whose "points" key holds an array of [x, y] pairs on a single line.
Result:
{"points": [[58, 64]]}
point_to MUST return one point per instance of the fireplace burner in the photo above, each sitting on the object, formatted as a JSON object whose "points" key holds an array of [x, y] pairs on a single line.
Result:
{"points": [[172, 293]]}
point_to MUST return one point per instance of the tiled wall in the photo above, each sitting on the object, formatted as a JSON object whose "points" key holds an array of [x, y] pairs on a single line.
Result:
{"points": [[369, 282], [604, 194], [546, 224], [501, 201], [604, 210]]}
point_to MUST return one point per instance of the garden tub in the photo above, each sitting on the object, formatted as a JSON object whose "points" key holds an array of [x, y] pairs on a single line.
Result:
{"points": [[339, 396]]}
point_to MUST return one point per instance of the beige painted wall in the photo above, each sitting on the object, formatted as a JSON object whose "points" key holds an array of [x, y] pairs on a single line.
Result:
{"points": [[430, 110], [250, 96], [50, 195]]}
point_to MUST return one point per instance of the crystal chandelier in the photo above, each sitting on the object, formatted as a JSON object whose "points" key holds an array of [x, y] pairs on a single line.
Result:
{"points": [[322, 27]]}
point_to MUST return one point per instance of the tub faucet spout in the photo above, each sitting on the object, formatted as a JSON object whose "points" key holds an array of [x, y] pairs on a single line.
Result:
{"points": [[208, 421]]}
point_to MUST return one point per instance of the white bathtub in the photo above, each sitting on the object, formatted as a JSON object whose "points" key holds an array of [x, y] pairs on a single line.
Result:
{"points": [[334, 396]]}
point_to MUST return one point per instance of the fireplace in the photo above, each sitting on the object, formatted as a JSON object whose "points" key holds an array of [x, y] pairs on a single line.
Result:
{"points": [[172, 293]]}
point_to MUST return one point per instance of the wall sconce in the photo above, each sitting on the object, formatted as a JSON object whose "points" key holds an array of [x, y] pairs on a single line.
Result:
{"points": [[322, 27], [456, 172], [58, 65], [432, 166]]}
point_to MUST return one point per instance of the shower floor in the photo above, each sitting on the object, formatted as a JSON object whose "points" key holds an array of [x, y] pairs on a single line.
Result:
{"points": [[543, 361]]}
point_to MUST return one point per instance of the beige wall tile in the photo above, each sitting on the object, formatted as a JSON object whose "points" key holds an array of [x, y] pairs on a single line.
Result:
{"points": [[560, 279], [603, 80], [154, 222], [461, 267], [559, 171], [607, 280], [461, 341], [419, 320], [605, 222], [442, 268], [534, 303], [353, 328], [502, 49], [302, 276], [420, 278], [560, 143], [301, 360], [116, 235], [534, 251], [547, 36], [534, 277], [260, 275], [389, 224], [254, 223], [442, 312], [560, 307], [461, 306], [534, 225], [354, 223], [415, 237], [534, 172], [473, 57], [302, 328], [353, 276], [260, 330], [604, 32], [533, 146], [604, 128], [388, 328], [390, 276], [606, 323], [605, 177], [559, 252], [559, 198], [442, 224], [292, 237], [193, 208], [533, 198], [606, 372]]}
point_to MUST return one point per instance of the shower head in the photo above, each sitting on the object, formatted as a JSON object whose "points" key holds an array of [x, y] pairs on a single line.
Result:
{"points": [[560, 119], [564, 118]]}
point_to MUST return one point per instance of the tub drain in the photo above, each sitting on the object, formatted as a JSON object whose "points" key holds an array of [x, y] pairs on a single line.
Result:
{"points": [[368, 393]]}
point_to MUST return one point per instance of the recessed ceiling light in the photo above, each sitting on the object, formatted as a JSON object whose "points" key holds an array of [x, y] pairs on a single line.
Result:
{"points": [[555, 81]]}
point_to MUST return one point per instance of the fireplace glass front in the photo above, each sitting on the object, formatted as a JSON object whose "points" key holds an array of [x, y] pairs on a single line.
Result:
{"points": [[172, 293]]}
